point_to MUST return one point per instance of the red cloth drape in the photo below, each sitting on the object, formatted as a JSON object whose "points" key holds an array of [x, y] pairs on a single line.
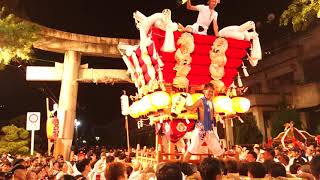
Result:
{"points": [[175, 129], [200, 73]]}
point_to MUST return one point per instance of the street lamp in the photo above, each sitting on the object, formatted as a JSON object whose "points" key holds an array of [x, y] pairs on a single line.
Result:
{"points": [[77, 123]]}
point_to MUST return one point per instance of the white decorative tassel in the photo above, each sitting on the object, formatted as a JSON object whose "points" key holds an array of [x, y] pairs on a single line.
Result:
{"points": [[187, 120], [161, 118], [240, 119], [233, 90], [138, 124], [245, 72], [240, 84]]}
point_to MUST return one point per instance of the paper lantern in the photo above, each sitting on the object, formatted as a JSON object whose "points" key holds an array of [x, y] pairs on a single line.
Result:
{"points": [[52, 128], [134, 110], [196, 97], [160, 99], [240, 104], [222, 104], [145, 105], [179, 100], [124, 105]]}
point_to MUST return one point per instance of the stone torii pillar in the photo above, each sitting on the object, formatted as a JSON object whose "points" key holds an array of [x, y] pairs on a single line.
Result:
{"points": [[70, 73], [68, 101]]}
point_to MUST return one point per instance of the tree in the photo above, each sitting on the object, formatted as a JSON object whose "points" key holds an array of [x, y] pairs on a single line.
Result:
{"points": [[14, 141], [301, 13], [248, 131], [283, 115], [16, 38]]}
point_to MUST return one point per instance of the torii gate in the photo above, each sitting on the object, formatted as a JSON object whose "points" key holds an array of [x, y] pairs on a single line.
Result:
{"points": [[70, 73]]}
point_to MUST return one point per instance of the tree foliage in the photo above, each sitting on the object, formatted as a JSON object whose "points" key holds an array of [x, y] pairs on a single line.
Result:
{"points": [[16, 38], [248, 131], [284, 114], [301, 13], [14, 141]]}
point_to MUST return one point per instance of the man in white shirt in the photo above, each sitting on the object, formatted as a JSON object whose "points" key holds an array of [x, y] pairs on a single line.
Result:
{"points": [[206, 16], [310, 152]]}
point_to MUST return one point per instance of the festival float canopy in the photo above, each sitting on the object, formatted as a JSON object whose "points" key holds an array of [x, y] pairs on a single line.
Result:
{"points": [[170, 66]]}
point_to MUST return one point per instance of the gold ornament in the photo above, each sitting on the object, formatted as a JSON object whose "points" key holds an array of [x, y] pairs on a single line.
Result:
{"points": [[183, 59], [218, 61]]}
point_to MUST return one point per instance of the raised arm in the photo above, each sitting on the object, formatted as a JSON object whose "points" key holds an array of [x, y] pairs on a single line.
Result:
{"points": [[190, 7], [195, 106]]}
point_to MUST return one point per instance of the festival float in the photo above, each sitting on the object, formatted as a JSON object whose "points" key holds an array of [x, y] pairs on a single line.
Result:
{"points": [[293, 137], [169, 68]]}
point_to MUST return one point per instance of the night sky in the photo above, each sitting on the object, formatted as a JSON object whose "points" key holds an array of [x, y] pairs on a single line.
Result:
{"points": [[99, 105]]}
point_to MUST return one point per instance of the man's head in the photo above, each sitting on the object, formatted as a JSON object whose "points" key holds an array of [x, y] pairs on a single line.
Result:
{"points": [[208, 91], [83, 165], [277, 169], [283, 158], [251, 156], [310, 150], [268, 154], [116, 170], [256, 170], [213, 3], [295, 152], [210, 169], [232, 166], [169, 171], [277, 151]]}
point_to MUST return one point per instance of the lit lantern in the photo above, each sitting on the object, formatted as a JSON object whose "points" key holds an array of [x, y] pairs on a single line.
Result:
{"points": [[222, 104], [145, 105], [240, 104], [124, 104], [52, 128], [196, 97], [134, 110], [160, 100], [179, 100]]}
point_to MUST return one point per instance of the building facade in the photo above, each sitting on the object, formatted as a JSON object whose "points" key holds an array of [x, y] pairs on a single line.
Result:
{"points": [[290, 71]]}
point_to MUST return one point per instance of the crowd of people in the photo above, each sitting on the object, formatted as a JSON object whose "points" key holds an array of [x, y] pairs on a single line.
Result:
{"points": [[98, 163]]}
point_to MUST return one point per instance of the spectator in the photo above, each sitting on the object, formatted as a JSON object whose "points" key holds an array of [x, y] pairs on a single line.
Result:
{"points": [[210, 169], [268, 154], [116, 171], [277, 170], [315, 166], [232, 169], [19, 172], [310, 151], [243, 169], [67, 177], [129, 170], [136, 170], [109, 159], [256, 170], [267, 165], [296, 156], [251, 156], [169, 171], [84, 168], [186, 168], [294, 168], [284, 160]]}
